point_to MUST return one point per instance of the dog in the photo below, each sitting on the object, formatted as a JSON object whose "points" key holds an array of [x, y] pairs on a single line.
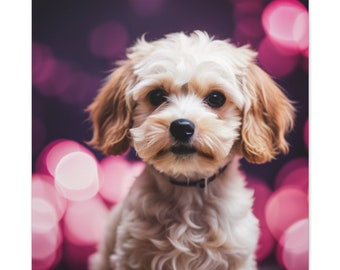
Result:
{"points": [[191, 106]]}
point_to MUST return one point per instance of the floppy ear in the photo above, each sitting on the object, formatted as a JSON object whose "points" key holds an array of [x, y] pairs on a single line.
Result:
{"points": [[110, 113], [269, 118]]}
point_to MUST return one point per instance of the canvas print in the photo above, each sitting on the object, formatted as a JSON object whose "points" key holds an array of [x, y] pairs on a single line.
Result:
{"points": [[170, 135]]}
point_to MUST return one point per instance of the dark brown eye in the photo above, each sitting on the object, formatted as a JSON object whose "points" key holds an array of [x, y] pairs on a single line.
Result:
{"points": [[215, 99], [157, 97]]}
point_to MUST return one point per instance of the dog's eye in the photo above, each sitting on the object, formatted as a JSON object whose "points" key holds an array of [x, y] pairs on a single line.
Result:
{"points": [[157, 97], [215, 99]]}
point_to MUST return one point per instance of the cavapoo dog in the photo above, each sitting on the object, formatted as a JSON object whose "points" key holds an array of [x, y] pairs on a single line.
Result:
{"points": [[191, 106]]}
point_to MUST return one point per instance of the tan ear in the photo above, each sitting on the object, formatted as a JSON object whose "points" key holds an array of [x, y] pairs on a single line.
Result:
{"points": [[110, 113], [269, 118]]}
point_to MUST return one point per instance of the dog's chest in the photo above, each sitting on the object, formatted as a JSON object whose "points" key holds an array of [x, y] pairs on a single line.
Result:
{"points": [[185, 236]]}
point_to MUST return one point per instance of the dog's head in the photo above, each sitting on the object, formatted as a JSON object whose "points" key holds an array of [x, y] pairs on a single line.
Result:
{"points": [[187, 103]]}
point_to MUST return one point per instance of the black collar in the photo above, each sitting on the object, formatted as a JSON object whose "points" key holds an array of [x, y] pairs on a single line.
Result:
{"points": [[201, 182]]}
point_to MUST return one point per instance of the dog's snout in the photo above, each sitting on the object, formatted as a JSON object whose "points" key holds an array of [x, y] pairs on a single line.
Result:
{"points": [[182, 129]]}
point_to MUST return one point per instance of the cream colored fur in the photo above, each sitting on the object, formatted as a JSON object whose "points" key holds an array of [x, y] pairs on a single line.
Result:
{"points": [[164, 226]]}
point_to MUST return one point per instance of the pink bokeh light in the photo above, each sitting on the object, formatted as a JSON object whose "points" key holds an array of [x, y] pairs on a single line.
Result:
{"points": [[76, 176], [276, 61], [261, 194], [297, 178], [109, 40], [117, 175], [300, 30], [294, 173], [43, 188], [293, 248], [84, 222], [48, 262], [284, 207], [286, 24], [46, 233], [50, 156]]}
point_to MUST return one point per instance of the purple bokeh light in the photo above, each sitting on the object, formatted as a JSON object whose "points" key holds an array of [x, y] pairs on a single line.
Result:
{"points": [[250, 26], [247, 8], [147, 7], [42, 63], [109, 40], [276, 61], [61, 79]]}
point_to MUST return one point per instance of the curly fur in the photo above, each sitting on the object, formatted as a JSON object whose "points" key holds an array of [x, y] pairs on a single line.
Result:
{"points": [[164, 226]]}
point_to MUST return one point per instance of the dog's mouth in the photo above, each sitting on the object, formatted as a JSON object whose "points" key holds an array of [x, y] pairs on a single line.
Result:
{"points": [[183, 149], [187, 150]]}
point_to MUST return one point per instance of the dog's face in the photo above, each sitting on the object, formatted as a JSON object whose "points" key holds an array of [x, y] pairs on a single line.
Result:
{"points": [[187, 104]]}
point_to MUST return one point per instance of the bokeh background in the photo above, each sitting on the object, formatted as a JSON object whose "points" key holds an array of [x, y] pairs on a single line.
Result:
{"points": [[74, 47]]}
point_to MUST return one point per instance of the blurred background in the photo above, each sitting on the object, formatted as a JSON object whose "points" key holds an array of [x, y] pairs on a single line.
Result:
{"points": [[74, 47]]}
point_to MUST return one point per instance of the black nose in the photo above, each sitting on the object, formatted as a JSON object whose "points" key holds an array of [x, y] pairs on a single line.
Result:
{"points": [[182, 130]]}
